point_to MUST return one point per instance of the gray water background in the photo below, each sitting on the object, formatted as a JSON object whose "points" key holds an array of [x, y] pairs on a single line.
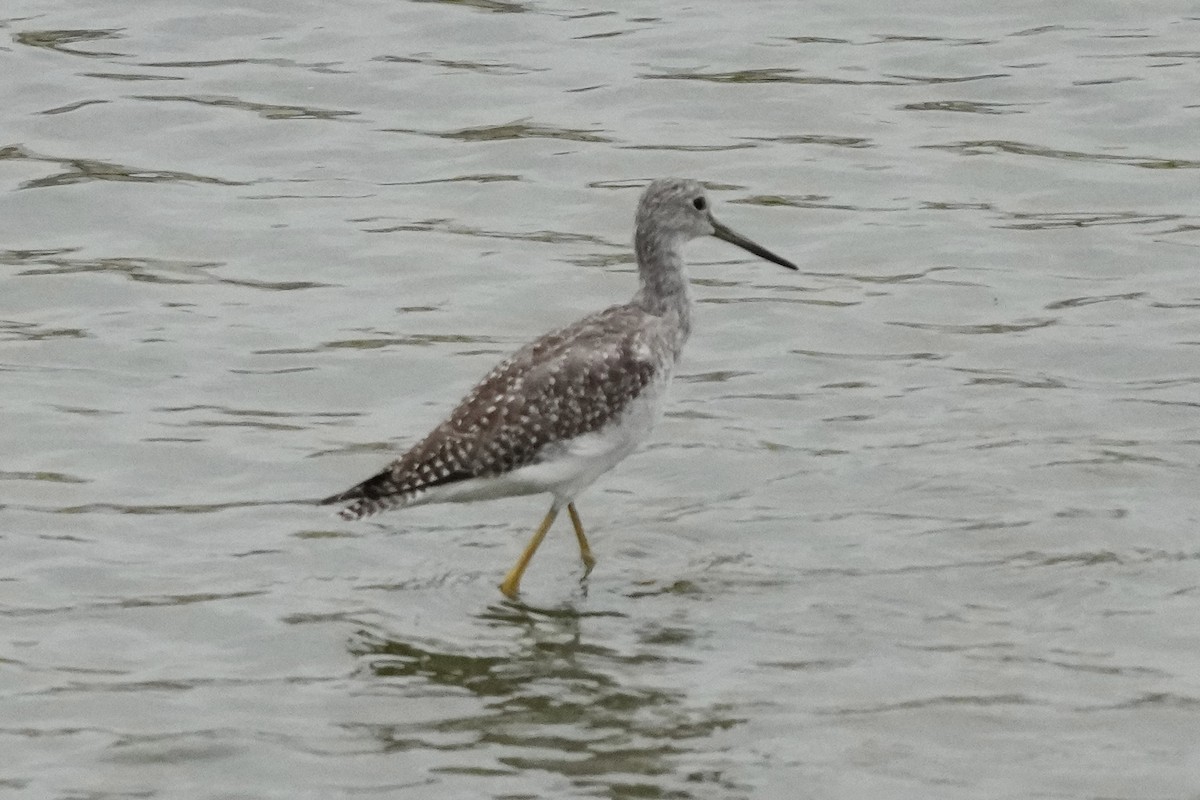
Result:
{"points": [[920, 521]]}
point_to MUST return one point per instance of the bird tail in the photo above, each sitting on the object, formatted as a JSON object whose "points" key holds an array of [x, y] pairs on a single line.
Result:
{"points": [[375, 494]]}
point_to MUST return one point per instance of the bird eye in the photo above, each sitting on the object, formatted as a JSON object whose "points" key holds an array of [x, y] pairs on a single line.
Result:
{"points": [[699, 204]]}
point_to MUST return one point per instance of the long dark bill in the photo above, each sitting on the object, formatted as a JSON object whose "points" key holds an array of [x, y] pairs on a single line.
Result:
{"points": [[727, 235]]}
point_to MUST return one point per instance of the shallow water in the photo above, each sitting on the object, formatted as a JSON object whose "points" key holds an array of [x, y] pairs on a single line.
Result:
{"points": [[920, 521]]}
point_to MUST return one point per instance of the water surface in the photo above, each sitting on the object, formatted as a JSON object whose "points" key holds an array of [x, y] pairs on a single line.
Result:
{"points": [[920, 521]]}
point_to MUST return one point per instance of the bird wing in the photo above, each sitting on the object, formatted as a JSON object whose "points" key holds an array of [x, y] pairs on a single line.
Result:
{"points": [[567, 383]]}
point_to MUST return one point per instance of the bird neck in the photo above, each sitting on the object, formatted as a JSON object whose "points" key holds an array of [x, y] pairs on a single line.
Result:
{"points": [[664, 289]]}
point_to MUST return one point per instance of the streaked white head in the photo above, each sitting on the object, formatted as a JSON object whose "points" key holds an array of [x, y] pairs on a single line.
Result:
{"points": [[675, 210], [675, 207]]}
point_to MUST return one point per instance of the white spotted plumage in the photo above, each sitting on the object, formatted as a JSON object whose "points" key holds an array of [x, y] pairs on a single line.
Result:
{"points": [[567, 407]]}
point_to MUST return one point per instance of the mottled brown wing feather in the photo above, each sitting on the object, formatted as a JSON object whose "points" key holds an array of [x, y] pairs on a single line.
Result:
{"points": [[565, 384]]}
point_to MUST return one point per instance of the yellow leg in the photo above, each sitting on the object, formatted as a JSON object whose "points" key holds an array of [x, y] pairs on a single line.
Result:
{"points": [[585, 550], [512, 582]]}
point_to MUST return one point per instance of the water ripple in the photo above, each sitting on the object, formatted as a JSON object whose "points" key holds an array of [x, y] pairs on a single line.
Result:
{"points": [[461, 229], [1049, 220], [483, 67], [519, 129], [58, 41], [992, 146], [83, 170], [983, 328], [265, 110], [16, 331], [143, 270], [965, 106]]}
